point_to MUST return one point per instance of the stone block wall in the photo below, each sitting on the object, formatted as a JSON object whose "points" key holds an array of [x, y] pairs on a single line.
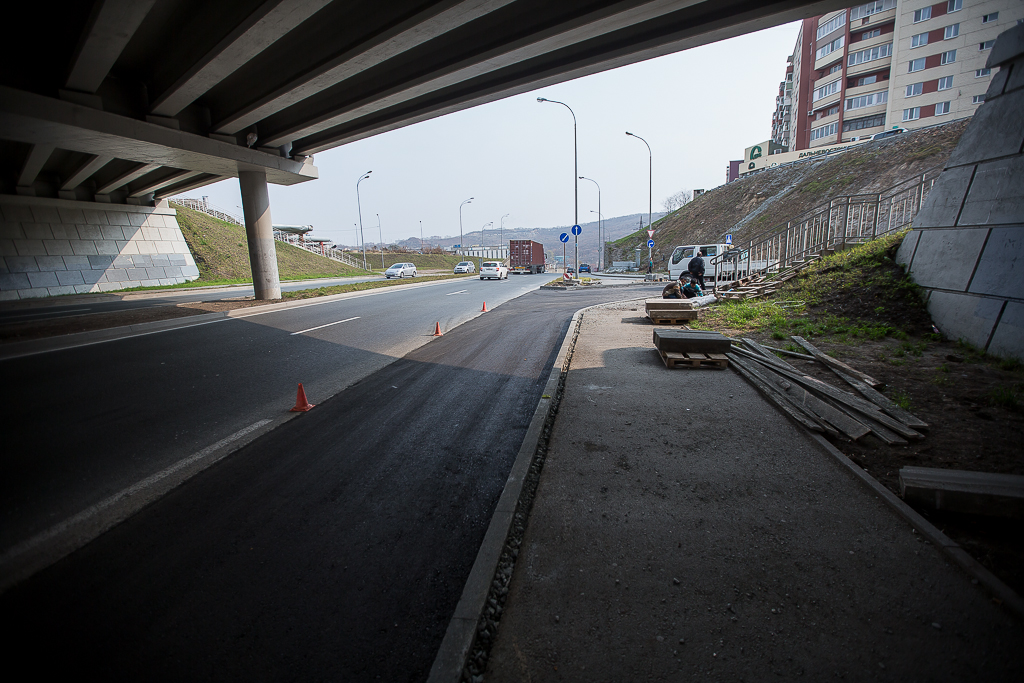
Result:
{"points": [[57, 246], [967, 245]]}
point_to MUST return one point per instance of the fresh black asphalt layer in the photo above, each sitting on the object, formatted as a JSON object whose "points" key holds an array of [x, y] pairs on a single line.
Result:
{"points": [[334, 548]]}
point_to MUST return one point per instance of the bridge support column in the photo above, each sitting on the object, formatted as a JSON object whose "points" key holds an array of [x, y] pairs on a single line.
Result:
{"points": [[259, 233]]}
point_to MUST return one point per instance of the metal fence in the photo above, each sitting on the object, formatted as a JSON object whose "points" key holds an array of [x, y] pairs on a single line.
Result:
{"points": [[843, 221]]}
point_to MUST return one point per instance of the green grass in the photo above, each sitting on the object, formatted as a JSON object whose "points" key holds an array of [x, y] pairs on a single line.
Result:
{"points": [[901, 399], [1008, 397]]}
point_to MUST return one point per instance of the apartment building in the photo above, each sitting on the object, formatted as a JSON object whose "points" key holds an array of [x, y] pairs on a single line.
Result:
{"points": [[890, 63]]}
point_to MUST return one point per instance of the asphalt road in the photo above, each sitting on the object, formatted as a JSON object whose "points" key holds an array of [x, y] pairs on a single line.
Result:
{"points": [[333, 548]]}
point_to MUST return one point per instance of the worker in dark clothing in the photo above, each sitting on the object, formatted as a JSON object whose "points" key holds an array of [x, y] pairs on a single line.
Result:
{"points": [[673, 290], [692, 289], [696, 268]]}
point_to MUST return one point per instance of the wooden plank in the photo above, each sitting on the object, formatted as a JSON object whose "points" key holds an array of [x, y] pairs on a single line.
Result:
{"points": [[687, 360], [776, 397], [688, 340], [768, 354], [982, 493], [837, 364], [837, 418], [668, 304], [794, 354], [884, 435]]}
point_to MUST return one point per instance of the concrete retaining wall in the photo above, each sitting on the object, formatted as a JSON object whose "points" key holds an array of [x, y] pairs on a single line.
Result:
{"points": [[57, 246], [967, 245]]}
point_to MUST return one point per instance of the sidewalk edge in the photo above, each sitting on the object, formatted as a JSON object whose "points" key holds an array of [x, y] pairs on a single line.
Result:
{"points": [[999, 591]]}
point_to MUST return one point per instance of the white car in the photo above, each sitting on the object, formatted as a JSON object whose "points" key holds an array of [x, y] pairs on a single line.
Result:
{"points": [[465, 267], [400, 270], [493, 269]]}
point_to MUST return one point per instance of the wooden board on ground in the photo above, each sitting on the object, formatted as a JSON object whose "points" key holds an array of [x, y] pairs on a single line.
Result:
{"points": [[691, 341], [672, 359], [979, 493], [662, 317], [668, 304]]}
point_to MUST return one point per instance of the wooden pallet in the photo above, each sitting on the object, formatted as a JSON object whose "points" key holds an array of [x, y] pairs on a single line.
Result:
{"points": [[670, 318], [672, 359]]}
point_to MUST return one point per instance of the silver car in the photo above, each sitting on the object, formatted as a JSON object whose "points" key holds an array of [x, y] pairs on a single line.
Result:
{"points": [[465, 267], [400, 270]]}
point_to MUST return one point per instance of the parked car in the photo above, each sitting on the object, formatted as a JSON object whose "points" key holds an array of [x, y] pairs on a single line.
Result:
{"points": [[465, 267], [584, 268], [888, 133], [570, 270], [493, 269], [400, 270]]}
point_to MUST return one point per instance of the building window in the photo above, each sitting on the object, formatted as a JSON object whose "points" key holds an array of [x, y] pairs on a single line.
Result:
{"points": [[835, 68], [861, 11], [948, 57], [941, 108], [826, 90], [916, 65], [912, 114], [866, 122], [987, 45], [832, 110], [978, 99], [868, 100], [919, 40], [824, 131], [831, 47], [869, 55], [951, 32], [954, 6], [978, 73], [914, 89], [988, 18], [945, 83], [867, 80], [832, 25], [922, 14], [871, 34]]}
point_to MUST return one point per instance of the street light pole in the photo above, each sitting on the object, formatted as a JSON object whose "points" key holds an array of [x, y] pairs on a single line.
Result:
{"points": [[360, 207], [381, 233], [650, 177], [421, 236], [600, 245], [575, 178], [461, 238], [501, 237], [483, 239]]}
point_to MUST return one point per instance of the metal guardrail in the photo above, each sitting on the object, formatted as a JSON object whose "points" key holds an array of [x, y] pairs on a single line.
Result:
{"points": [[207, 208], [847, 220], [331, 253]]}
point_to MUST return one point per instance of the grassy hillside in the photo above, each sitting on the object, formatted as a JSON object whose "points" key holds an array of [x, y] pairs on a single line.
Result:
{"points": [[222, 255], [758, 202]]}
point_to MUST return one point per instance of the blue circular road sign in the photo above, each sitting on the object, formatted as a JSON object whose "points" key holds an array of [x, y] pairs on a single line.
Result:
{"points": [[576, 230], [650, 243], [564, 237]]}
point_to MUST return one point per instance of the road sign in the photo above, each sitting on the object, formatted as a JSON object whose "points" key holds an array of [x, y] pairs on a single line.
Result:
{"points": [[576, 230], [564, 237], [650, 234], [650, 244], [728, 239]]}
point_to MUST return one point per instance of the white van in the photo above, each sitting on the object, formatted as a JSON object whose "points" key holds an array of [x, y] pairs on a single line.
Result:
{"points": [[681, 258]]}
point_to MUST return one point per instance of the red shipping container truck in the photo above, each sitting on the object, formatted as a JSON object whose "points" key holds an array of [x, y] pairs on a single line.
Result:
{"points": [[526, 256]]}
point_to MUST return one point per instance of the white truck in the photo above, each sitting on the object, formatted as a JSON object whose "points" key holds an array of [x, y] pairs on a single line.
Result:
{"points": [[731, 266]]}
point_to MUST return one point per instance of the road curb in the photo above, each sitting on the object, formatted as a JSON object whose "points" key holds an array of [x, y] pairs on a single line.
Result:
{"points": [[999, 591], [462, 631]]}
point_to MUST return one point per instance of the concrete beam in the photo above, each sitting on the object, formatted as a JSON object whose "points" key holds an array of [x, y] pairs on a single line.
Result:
{"points": [[34, 162], [84, 171], [264, 27], [415, 31], [35, 119], [111, 26], [126, 178], [198, 182], [154, 185]]}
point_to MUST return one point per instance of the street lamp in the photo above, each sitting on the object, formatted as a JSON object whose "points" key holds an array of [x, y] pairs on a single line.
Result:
{"points": [[421, 237], [483, 240], [650, 177], [360, 207], [600, 246], [600, 219], [461, 238], [501, 236], [575, 177], [381, 233]]}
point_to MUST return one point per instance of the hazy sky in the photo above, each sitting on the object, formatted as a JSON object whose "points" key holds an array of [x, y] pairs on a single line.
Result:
{"points": [[697, 109]]}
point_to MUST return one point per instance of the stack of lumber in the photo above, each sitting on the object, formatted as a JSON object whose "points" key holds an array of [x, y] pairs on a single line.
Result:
{"points": [[692, 348], [822, 407], [670, 311]]}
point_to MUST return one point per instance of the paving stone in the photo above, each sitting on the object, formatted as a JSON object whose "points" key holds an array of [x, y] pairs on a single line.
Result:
{"points": [[165, 247], [101, 261], [34, 293], [111, 232], [143, 261], [145, 246], [7, 248], [996, 195], [21, 264], [83, 289], [30, 247], [11, 231], [137, 274], [14, 281], [997, 85], [161, 261], [89, 232], [177, 260], [59, 231], [44, 214], [152, 234], [71, 215], [110, 286], [155, 273], [978, 143], [946, 258], [17, 214], [964, 316], [95, 217], [8, 294], [190, 271], [43, 279], [131, 232], [77, 262], [138, 219], [905, 253], [58, 247], [1008, 339], [117, 218], [50, 263], [3, 266], [1015, 79], [83, 247], [128, 247], [70, 277], [1009, 45], [37, 231], [945, 198], [117, 275], [60, 291], [93, 276], [121, 261], [1000, 270], [172, 271], [108, 247]]}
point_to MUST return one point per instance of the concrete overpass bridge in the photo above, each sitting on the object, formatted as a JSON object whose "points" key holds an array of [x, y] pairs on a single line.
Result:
{"points": [[114, 105]]}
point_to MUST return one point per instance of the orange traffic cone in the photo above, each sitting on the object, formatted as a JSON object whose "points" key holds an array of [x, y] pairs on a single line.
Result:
{"points": [[301, 404], [437, 330], [484, 310]]}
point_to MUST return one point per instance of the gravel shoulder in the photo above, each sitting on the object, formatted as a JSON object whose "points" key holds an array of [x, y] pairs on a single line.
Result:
{"points": [[721, 540]]}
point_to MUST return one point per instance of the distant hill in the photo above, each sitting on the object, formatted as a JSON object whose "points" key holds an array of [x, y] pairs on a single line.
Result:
{"points": [[751, 205]]}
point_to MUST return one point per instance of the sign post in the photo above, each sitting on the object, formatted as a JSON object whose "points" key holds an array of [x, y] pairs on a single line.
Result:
{"points": [[576, 230], [650, 245], [563, 238]]}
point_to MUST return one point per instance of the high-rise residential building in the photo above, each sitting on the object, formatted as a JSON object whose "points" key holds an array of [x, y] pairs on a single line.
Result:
{"points": [[886, 64], [781, 119]]}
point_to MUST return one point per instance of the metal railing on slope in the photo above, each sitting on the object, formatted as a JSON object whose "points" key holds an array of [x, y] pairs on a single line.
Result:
{"points": [[852, 219], [327, 252], [205, 207]]}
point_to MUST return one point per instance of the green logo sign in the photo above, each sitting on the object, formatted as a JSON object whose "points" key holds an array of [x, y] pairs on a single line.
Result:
{"points": [[755, 152]]}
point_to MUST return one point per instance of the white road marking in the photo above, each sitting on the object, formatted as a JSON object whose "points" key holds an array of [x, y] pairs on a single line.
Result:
{"points": [[90, 512], [62, 314], [320, 327], [458, 292]]}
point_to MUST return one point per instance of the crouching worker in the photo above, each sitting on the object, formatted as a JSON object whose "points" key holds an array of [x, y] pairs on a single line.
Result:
{"points": [[692, 289], [672, 291]]}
